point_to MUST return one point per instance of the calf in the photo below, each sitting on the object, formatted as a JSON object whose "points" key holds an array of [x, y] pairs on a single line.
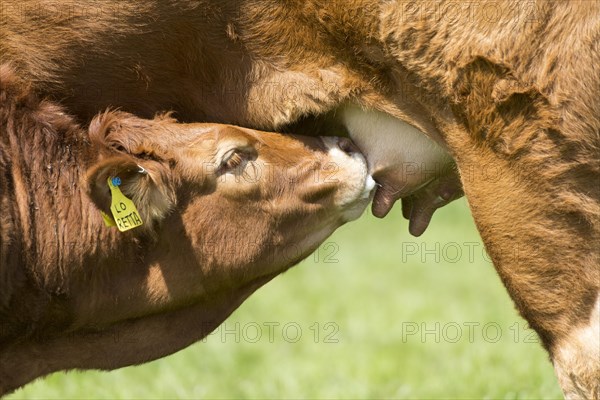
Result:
{"points": [[223, 210]]}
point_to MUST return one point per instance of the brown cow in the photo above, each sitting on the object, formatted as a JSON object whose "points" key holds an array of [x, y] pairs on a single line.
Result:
{"points": [[224, 210], [506, 86]]}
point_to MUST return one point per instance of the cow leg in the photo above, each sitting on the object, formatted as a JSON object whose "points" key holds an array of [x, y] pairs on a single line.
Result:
{"points": [[548, 261], [537, 211], [569, 358]]}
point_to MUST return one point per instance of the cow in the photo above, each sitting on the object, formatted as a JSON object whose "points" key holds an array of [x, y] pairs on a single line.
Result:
{"points": [[504, 86], [217, 212]]}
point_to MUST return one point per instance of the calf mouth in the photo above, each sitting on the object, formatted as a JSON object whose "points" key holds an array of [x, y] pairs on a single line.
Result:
{"points": [[355, 184]]}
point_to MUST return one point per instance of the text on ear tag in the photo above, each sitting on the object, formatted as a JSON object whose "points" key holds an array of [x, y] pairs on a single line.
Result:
{"points": [[123, 210]]}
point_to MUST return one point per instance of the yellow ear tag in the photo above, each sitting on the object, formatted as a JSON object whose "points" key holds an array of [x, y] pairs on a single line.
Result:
{"points": [[123, 210], [108, 221]]}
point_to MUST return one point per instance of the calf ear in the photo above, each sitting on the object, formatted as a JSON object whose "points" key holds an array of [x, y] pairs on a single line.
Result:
{"points": [[127, 151], [116, 131], [144, 182]]}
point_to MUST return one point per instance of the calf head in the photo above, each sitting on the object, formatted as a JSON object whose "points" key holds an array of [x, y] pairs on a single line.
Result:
{"points": [[224, 205]]}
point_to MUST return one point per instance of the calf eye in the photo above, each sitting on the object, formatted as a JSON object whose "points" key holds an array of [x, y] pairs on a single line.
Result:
{"points": [[237, 159], [234, 161]]}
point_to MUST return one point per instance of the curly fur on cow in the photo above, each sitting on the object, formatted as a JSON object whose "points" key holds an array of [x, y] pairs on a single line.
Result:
{"points": [[510, 87]]}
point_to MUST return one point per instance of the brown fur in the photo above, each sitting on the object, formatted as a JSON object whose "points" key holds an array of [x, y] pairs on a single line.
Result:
{"points": [[510, 86], [213, 232]]}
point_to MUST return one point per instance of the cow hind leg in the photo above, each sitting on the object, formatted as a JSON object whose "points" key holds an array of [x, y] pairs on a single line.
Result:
{"points": [[576, 359], [536, 211]]}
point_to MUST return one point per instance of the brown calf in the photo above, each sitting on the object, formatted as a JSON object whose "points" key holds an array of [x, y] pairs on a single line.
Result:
{"points": [[224, 210]]}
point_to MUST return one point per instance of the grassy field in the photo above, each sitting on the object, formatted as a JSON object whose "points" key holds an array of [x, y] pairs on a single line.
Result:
{"points": [[374, 313]]}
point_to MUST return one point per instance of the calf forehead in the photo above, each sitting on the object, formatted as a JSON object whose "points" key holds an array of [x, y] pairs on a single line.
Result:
{"points": [[273, 147], [227, 133]]}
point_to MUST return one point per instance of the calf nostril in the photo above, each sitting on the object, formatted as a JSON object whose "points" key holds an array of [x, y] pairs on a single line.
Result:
{"points": [[347, 146]]}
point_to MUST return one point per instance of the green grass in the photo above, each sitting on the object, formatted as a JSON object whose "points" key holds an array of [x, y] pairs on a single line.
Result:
{"points": [[362, 303]]}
